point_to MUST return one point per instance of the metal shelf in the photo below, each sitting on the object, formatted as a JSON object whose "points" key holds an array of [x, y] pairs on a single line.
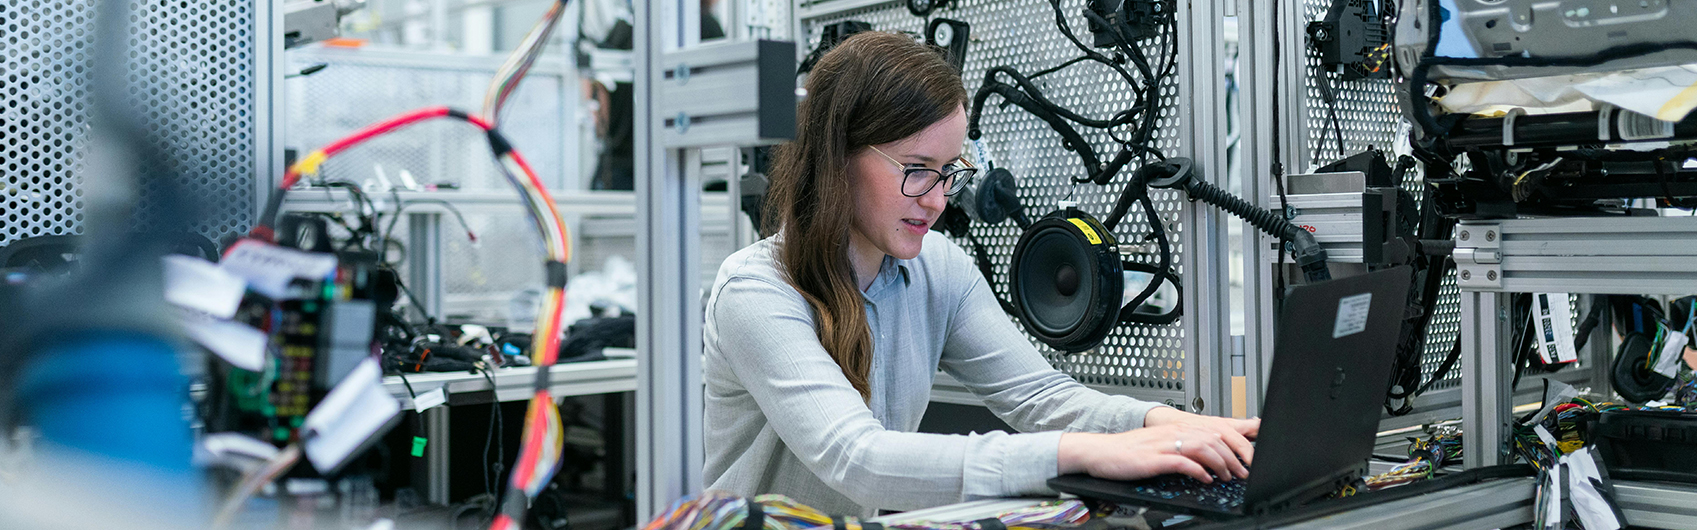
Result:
{"points": [[517, 383], [511, 384]]}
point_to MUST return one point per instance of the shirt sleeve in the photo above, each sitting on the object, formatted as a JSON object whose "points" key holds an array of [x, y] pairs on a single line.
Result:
{"points": [[767, 339], [994, 360]]}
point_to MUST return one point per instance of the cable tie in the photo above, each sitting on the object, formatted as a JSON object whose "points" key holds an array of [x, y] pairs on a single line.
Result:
{"points": [[556, 274], [543, 381], [309, 165], [990, 523], [515, 505], [756, 517], [871, 526], [839, 523], [498, 143]]}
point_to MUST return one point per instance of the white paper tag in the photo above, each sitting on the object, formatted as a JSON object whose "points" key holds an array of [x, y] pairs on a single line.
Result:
{"points": [[353, 411], [1593, 509], [1544, 436], [200, 285], [1552, 324], [1352, 315], [269, 269], [1672, 348], [429, 400], [236, 343]]}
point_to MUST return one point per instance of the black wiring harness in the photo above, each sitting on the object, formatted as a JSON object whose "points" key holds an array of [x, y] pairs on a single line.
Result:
{"points": [[1023, 91]]}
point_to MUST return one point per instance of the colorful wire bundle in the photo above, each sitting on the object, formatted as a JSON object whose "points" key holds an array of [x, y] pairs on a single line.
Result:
{"points": [[1563, 424], [721, 511], [543, 438], [513, 70], [1426, 455]]}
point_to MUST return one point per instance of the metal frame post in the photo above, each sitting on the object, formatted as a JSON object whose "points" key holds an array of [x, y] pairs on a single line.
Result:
{"points": [[424, 259], [268, 121], [1485, 377], [436, 455], [1208, 385], [1259, 49], [669, 451]]}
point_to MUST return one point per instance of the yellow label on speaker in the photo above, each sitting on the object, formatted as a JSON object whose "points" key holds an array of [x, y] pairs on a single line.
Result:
{"points": [[1088, 233]]}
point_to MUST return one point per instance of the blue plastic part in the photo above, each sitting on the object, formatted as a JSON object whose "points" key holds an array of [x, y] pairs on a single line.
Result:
{"points": [[120, 395]]}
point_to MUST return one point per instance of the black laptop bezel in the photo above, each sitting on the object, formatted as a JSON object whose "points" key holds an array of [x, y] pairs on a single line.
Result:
{"points": [[1389, 288]]}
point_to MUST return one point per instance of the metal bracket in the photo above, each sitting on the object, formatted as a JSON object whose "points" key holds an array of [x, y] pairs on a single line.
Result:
{"points": [[1478, 256], [1648, 255], [737, 93]]}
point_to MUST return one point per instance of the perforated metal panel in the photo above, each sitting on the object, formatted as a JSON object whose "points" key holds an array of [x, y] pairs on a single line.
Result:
{"points": [[362, 87], [195, 66], [1022, 34], [1368, 116]]}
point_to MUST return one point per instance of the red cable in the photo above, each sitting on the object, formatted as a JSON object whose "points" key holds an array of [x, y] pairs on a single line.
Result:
{"points": [[292, 176]]}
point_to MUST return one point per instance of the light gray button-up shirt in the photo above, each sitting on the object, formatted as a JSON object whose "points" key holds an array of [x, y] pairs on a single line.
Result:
{"points": [[781, 418]]}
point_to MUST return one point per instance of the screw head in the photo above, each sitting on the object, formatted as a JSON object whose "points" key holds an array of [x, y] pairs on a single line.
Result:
{"points": [[1465, 234], [1491, 235], [1466, 275], [1491, 275]]}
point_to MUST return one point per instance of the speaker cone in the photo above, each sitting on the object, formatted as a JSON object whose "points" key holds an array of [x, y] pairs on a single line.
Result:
{"points": [[1067, 281], [1631, 378]]}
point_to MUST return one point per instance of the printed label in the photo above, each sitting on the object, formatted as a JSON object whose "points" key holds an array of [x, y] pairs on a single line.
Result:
{"points": [[1088, 233], [1352, 315]]}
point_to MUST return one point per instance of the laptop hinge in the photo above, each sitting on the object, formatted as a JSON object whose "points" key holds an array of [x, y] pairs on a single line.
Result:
{"points": [[1309, 491]]}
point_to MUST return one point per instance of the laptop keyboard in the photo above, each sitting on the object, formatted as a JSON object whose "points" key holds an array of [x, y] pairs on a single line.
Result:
{"points": [[1226, 495]]}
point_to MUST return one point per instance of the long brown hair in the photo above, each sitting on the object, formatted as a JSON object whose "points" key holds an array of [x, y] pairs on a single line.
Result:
{"points": [[873, 88]]}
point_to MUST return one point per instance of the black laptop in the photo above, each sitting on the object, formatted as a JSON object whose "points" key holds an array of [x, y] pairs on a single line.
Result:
{"points": [[1331, 368]]}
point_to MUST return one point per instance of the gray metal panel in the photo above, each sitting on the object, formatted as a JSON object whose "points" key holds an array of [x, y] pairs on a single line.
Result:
{"points": [[1149, 362], [202, 70]]}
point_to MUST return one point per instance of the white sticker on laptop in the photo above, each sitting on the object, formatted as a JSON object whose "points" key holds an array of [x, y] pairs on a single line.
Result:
{"points": [[1352, 315]]}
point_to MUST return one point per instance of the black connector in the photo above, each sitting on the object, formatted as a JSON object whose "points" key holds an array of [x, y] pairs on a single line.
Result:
{"points": [[1353, 40], [829, 36], [950, 35], [1135, 20]]}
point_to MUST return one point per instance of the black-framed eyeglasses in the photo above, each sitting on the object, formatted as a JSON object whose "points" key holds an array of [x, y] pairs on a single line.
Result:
{"points": [[918, 180]]}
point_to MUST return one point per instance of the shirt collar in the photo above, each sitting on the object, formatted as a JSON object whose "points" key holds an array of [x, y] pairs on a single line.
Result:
{"points": [[889, 271]]}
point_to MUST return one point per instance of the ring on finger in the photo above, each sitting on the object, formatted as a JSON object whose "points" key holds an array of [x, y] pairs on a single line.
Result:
{"points": [[1178, 446]]}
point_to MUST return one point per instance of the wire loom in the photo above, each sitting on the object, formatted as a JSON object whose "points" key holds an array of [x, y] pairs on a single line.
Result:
{"points": [[543, 440], [721, 511]]}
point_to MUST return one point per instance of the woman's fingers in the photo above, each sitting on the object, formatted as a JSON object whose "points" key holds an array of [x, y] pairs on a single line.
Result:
{"points": [[1205, 448], [1240, 446], [1248, 428], [1173, 463], [1238, 468]]}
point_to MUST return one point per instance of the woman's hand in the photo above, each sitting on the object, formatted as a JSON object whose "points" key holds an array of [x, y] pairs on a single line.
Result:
{"points": [[1202, 447], [1236, 433], [1199, 452]]}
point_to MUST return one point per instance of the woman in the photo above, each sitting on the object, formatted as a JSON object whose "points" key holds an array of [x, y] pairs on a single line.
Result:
{"points": [[822, 341]]}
